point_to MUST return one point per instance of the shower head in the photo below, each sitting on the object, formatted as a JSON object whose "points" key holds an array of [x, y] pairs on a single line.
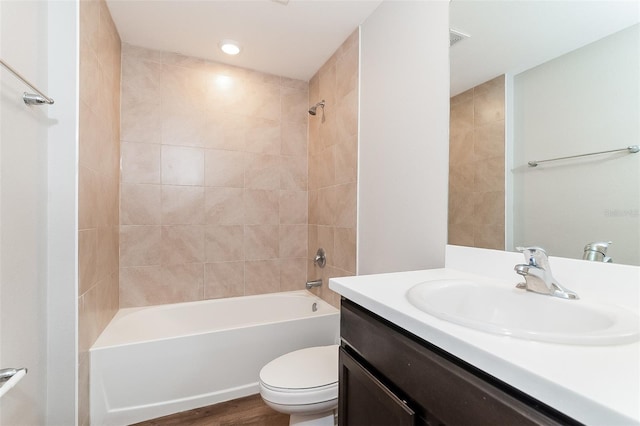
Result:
{"points": [[312, 110]]}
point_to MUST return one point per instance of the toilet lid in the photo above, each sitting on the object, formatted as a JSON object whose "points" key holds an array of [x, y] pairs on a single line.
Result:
{"points": [[303, 369]]}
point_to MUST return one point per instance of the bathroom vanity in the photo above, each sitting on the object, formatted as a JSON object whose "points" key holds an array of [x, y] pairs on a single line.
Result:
{"points": [[402, 366], [415, 383]]}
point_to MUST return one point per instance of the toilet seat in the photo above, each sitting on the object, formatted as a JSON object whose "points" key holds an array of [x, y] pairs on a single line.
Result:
{"points": [[303, 377], [299, 396]]}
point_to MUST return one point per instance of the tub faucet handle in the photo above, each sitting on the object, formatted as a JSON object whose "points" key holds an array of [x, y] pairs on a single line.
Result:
{"points": [[321, 258]]}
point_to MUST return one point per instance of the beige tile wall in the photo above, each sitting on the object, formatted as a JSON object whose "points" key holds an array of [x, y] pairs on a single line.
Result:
{"points": [[214, 180], [99, 171], [333, 166], [476, 167]]}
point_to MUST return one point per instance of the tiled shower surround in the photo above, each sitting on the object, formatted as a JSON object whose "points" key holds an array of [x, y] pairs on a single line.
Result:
{"points": [[99, 154], [217, 195], [214, 180], [333, 166], [476, 167]]}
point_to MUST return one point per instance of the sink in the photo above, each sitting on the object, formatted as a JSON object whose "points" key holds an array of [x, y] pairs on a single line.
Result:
{"points": [[517, 313]]}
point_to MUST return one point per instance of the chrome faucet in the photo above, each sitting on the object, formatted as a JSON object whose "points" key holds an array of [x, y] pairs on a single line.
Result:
{"points": [[537, 274], [321, 258], [314, 283], [597, 252]]}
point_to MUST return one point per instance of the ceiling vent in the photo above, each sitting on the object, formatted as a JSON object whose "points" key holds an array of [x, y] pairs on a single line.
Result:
{"points": [[456, 36]]}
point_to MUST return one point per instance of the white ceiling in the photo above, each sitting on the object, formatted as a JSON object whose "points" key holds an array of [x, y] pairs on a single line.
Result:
{"points": [[294, 40], [291, 40], [513, 36]]}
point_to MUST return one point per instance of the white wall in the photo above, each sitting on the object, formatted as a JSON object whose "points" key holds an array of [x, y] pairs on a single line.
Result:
{"points": [[62, 222], [23, 195], [585, 101], [404, 137], [38, 167]]}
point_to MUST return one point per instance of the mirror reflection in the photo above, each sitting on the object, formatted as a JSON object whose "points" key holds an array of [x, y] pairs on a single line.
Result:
{"points": [[537, 81]]}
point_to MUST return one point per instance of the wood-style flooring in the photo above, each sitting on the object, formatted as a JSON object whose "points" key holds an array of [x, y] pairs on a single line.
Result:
{"points": [[248, 411]]}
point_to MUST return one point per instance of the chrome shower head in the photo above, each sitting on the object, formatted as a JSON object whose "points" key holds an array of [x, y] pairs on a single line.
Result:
{"points": [[312, 110]]}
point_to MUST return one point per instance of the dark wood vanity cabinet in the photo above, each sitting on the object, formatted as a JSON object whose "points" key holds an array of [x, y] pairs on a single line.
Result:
{"points": [[365, 400], [390, 377]]}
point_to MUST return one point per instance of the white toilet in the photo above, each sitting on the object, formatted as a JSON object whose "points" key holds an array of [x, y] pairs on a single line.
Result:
{"points": [[303, 384]]}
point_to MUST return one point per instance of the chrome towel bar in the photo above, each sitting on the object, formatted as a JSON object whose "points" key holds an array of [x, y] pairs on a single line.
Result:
{"points": [[631, 149], [9, 377], [29, 98]]}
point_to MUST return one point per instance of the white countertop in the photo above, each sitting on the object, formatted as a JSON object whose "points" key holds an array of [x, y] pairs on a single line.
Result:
{"points": [[594, 385]]}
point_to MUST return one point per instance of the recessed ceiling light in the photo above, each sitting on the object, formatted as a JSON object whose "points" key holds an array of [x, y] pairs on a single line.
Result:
{"points": [[230, 47]]}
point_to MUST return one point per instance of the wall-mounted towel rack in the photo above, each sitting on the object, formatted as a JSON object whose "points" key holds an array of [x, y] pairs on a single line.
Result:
{"points": [[29, 98], [630, 149]]}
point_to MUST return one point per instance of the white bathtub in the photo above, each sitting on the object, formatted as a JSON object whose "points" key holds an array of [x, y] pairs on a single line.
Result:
{"points": [[158, 360]]}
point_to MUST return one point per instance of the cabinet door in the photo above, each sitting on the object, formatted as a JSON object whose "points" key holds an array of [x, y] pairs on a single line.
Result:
{"points": [[365, 401]]}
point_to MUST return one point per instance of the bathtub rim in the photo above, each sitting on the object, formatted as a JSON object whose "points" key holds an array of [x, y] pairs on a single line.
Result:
{"points": [[128, 311]]}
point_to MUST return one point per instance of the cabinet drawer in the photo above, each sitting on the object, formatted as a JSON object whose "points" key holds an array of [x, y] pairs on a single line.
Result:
{"points": [[440, 388], [365, 401]]}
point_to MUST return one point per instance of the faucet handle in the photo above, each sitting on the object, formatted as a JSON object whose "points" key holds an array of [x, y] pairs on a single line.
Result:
{"points": [[321, 258], [599, 246], [535, 256]]}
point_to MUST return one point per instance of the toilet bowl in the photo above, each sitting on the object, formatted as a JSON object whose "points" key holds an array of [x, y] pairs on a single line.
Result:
{"points": [[303, 384]]}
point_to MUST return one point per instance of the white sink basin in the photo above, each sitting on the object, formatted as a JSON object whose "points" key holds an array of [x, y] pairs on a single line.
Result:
{"points": [[518, 313]]}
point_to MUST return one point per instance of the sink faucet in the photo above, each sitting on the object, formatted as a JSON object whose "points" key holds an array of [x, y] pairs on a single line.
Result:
{"points": [[597, 251], [537, 274]]}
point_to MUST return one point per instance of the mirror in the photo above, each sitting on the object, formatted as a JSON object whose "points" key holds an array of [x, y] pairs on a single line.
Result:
{"points": [[571, 72]]}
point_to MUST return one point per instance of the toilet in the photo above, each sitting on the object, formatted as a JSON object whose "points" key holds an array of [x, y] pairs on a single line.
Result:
{"points": [[303, 384]]}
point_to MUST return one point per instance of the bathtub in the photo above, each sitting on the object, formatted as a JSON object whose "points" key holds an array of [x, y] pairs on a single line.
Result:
{"points": [[158, 360]]}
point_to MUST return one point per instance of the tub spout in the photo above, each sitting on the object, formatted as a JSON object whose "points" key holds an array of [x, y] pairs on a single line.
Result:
{"points": [[314, 283]]}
